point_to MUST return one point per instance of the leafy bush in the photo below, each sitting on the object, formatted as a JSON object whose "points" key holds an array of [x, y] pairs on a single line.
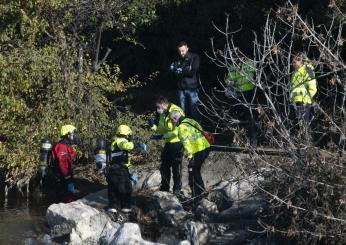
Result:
{"points": [[53, 72]]}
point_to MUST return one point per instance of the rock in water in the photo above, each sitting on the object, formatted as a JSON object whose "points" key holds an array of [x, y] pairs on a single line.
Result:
{"points": [[130, 234], [83, 223]]}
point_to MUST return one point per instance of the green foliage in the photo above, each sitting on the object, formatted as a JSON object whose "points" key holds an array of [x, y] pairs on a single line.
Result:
{"points": [[144, 12], [52, 73], [141, 134]]}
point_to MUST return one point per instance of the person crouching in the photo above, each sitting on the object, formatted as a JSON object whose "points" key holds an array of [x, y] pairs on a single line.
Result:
{"points": [[197, 148]]}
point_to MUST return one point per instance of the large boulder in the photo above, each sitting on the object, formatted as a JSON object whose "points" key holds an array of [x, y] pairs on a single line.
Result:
{"points": [[166, 201], [83, 224], [97, 200], [170, 210], [228, 192], [242, 214], [163, 205], [206, 209], [129, 234], [149, 181]]}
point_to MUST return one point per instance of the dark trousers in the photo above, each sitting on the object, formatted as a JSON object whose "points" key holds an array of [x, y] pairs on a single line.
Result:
{"points": [[171, 158], [301, 121], [119, 187], [63, 195], [302, 113], [56, 182], [195, 178], [188, 99]]}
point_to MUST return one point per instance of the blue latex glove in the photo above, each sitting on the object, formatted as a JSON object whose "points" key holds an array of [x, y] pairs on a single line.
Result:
{"points": [[179, 70], [133, 179], [70, 187], [143, 146], [151, 122], [156, 137]]}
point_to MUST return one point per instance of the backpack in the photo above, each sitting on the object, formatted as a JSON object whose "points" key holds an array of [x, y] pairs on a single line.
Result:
{"points": [[209, 136]]}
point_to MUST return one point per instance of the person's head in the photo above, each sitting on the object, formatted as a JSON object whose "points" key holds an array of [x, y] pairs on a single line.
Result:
{"points": [[175, 117], [182, 48], [124, 131], [68, 131], [299, 60], [162, 104]]}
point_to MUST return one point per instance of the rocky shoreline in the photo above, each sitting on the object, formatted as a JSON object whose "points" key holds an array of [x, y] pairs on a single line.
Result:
{"points": [[224, 216]]}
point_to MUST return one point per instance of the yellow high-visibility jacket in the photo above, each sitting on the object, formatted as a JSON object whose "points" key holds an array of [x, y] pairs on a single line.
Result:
{"points": [[190, 134], [120, 152], [303, 85], [166, 126], [242, 79]]}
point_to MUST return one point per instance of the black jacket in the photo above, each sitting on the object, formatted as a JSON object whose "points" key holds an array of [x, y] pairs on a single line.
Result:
{"points": [[190, 66]]}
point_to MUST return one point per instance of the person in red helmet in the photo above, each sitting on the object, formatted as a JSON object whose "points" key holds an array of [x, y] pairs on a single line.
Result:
{"points": [[63, 157]]}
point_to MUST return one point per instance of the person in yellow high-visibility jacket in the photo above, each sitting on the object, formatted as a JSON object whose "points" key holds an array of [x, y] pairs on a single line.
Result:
{"points": [[197, 148], [241, 79], [240, 86], [303, 88], [117, 174], [173, 151]]}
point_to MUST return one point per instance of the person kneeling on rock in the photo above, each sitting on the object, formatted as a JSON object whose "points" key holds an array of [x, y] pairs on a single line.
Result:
{"points": [[117, 174], [197, 148]]}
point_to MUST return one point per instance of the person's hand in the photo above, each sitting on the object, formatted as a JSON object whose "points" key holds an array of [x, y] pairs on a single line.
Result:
{"points": [[151, 122], [134, 179], [179, 70], [70, 187], [172, 66], [143, 146], [156, 137]]}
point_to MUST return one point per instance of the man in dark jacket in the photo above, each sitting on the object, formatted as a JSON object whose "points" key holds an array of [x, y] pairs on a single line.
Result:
{"points": [[186, 69]]}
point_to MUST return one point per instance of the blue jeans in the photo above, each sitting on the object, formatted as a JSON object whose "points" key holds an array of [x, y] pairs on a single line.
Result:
{"points": [[188, 99]]}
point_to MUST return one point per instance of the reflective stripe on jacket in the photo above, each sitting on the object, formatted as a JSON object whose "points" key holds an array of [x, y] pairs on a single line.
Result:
{"points": [[120, 149], [166, 126], [242, 80], [191, 136], [303, 85]]}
